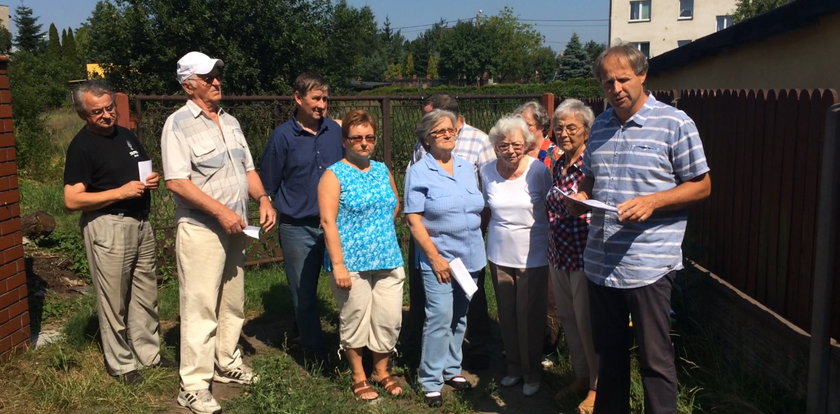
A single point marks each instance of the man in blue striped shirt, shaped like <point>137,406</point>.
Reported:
<point>645,158</point>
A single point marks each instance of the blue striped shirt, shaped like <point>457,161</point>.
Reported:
<point>657,149</point>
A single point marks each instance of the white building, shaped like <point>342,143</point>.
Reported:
<point>657,26</point>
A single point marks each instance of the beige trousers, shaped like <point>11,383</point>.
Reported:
<point>212,296</point>
<point>371,311</point>
<point>522,298</point>
<point>571,293</point>
<point>121,257</point>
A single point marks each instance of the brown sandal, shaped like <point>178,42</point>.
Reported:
<point>390,384</point>
<point>363,387</point>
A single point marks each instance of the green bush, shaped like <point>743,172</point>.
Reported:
<point>573,88</point>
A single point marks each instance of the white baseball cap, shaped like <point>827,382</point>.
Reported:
<point>196,63</point>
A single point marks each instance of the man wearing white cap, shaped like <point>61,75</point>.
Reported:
<point>208,168</point>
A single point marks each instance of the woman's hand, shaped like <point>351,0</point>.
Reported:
<point>441,268</point>
<point>342,277</point>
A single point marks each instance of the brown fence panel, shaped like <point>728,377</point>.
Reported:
<point>757,230</point>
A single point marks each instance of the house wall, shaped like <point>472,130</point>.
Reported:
<point>779,62</point>
<point>665,27</point>
<point>14,306</point>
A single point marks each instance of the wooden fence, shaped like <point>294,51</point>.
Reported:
<point>757,230</point>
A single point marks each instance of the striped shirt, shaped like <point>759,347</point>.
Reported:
<point>216,160</point>
<point>657,149</point>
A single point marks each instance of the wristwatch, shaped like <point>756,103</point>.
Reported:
<point>264,195</point>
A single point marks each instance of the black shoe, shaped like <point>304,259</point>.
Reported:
<point>132,377</point>
<point>166,363</point>
<point>458,383</point>
<point>433,401</point>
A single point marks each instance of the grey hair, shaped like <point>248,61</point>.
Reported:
<point>95,87</point>
<point>537,112</point>
<point>507,125</point>
<point>638,61</point>
<point>442,100</point>
<point>575,108</point>
<point>428,122</point>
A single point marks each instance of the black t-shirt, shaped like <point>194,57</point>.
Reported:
<point>106,162</point>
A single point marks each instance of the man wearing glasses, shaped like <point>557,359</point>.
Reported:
<point>296,155</point>
<point>101,179</point>
<point>209,170</point>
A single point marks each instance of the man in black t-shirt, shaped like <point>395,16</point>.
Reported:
<point>102,179</point>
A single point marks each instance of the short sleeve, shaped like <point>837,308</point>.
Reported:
<point>77,168</point>
<point>415,190</point>
<point>689,159</point>
<point>174,151</point>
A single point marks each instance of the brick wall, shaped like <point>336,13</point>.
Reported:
<point>14,307</point>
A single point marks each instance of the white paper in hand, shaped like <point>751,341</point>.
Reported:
<point>144,168</point>
<point>252,231</point>
<point>462,276</point>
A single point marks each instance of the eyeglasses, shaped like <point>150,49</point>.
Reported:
<point>517,146</point>
<point>443,132</point>
<point>99,111</point>
<point>570,129</point>
<point>370,139</point>
<point>210,77</point>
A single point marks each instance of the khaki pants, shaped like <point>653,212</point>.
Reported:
<point>571,293</point>
<point>121,256</point>
<point>371,311</point>
<point>212,291</point>
<point>522,299</point>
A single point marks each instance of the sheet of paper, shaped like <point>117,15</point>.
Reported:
<point>252,231</point>
<point>144,168</point>
<point>595,204</point>
<point>462,276</point>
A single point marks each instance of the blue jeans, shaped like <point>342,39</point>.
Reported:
<point>303,255</point>
<point>443,331</point>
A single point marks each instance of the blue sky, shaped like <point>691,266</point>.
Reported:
<point>555,19</point>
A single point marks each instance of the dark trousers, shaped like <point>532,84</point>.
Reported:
<point>649,307</point>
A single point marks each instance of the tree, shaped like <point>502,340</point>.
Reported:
<point>432,68</point>
<point>574,63</point>
<point>593,49</point>
<point>30,38</point>
<point>409,65</point>
<point>53,42</point>
<point>5,41</point>
<point>744,9</point>
<point>393,71</point>
<point>68,47</point>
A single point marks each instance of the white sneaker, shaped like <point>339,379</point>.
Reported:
<point>199,402</point>
<point>530,388</point>
<point>242,374</point>
<point>510,381</point>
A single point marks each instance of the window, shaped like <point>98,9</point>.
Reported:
<point>643,47</point>
<point>640,10</point>
<point>686,9</point>
<point>723,22</point>
<point>681,43</point>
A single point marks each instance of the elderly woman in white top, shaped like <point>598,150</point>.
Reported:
<point>514,189</point>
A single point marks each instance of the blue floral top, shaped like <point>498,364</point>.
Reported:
<point>366,218</point>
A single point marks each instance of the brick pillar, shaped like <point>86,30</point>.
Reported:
<point>14,307</point>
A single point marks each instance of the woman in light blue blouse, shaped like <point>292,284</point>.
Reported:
<point>358,202</point>
<point>443,209</point>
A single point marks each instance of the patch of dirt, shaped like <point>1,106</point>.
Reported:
<point>49,272</point>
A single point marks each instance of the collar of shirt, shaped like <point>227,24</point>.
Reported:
<point>432,164</point>
<point>298,128</point>
<point>196,110</point>
<point>641,116</point>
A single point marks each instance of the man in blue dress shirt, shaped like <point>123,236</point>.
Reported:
<point>296,155</point>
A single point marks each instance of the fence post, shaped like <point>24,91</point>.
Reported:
<point>386,131</point>
<point>123,113</point>
<point>547,101</point>
<point>826,246</point>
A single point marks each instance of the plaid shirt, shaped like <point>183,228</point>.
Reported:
<point>567,234</point>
